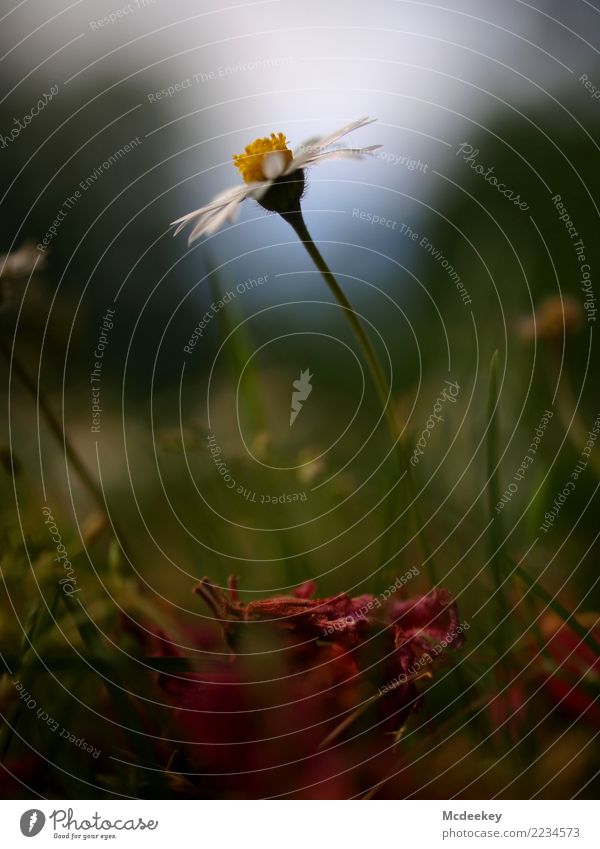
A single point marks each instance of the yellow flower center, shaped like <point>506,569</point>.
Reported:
<point>250,162</point>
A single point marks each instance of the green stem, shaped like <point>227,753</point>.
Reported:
<point>296,221</point>
<point>59,432</point>
<point>493,490</point>
<point>502,564</point>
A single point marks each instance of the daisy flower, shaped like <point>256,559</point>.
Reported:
<point>273,175</point>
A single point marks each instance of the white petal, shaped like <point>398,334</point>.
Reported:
<point>313,143</point>
<point>237,193</point>
<point>211,219</point>
<point>339,153</point>
<point>199,228</point>
<point>258,190</point>
<point>349,128</point>
<point>214,223</point>
<point>299,160</point>
<point>318,143</point>
<point>347,152</point>
<point>273,165</point>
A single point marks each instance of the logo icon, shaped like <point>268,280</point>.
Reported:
<point>303,388</point>
<point>32,822</point>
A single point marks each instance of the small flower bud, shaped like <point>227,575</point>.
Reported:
<point>553,317</point>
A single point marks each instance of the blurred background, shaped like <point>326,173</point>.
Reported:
<point>144,105</point>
